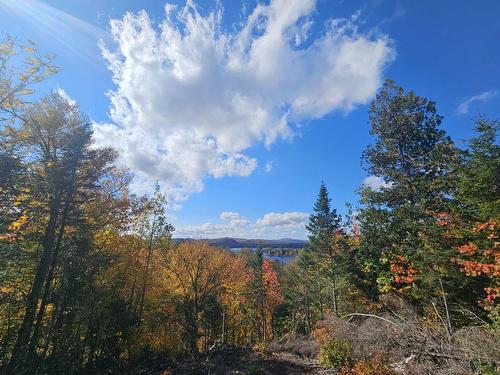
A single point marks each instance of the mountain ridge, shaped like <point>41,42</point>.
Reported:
<point>234,242</point>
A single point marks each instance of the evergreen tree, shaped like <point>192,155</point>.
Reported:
<point>319,256</point>
<point>414,157</point>
<point>478,182</point>
<point>475,221</point>
<point>323,223</point>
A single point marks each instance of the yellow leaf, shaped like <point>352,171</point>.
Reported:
<point>28,49</point>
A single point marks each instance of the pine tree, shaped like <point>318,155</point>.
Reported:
<point>475,220</point>
<point>414,157</point>
<point>323,223</point>
<point>478,193</point>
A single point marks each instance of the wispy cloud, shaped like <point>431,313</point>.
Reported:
<point>399,12</point>
<point>269,166</point>
<point>464,107</point>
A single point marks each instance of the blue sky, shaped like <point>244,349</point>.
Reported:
<point>241,128</point>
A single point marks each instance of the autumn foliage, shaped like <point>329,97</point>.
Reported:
<point>92,280</point>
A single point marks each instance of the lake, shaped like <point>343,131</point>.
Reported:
<point>280,258</point>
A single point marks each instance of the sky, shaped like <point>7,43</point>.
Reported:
<point>240,109</point>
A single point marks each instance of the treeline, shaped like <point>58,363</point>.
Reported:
<point>428,233</point>
<point>90,278</point>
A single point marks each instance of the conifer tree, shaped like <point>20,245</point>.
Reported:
<point>475,220</point>
<point>324,223</point>
<point>414,158</point>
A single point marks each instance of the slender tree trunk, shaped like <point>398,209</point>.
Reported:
<point>20,350</point>
<point>334,296</point>
<point>146,271</point>
<point>192,328</point>
<point>134,282</point>
<point>57,337</point>
<point>445,303</point>
<point>307,310</point>
<point>49,335</point>
<point>6,339</point>
<point>223,338</point>
<point>50,275</point>
<point>334,285</point>
<point>263,318</point>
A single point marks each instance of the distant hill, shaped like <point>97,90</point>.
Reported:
<point>229,242</point>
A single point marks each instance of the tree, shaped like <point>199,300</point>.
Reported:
<point>154,229</point>
<point>54,138</point>
<point>16,85</point>
<point>478,186</point>
<point>323,224</point>
<point>475,217</point>
<point>65,175</point>
<point>194,272</point>
<point>259,293</point>
<point>272,296</point>
<point>414,158</point>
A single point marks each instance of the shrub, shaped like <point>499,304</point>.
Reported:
<point>336,354</point>
<point>259,347</point>
<point>371,366</point>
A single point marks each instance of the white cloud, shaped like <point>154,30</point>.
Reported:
<point>271,225</point>
<point>63,94</point>
<point>376,183</point>
<point>228,215</point>
<point>463,107</point>
<point>190,99</point>
<point>285,219</point>
<point>268,167</point>
<point>234,218</point>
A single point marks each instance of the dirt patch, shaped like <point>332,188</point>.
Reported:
<point>232,360</point>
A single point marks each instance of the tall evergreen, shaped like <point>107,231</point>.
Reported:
<point>478,185</point>
<point>475,221</point>
<point>318,260</point>
<point>414,157</point>
<point>323,223</point>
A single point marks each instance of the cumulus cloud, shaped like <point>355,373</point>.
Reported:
<point>191,99</point>
<point>234,218</point>
<point>464,107</point>
<point>285,219</point>
<point>376,183</point>
<point>271,225</point>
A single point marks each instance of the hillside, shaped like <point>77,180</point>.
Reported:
<point>229,242</point>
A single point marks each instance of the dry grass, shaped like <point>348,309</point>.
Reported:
<point>410,344</point>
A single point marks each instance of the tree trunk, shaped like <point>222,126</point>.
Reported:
<point>223,338</point>
<point>21,348</point>
<point>146,271</point>
<point>50,275</point>
<point>445,302</point>
<point>334,297</point>
<point>6,339</point>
